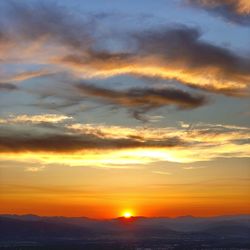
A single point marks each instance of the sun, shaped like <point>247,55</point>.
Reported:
<point>127,214</point>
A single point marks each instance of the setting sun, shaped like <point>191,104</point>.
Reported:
<point>127,214</point>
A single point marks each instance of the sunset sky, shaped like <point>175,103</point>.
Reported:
<point>109,106</point>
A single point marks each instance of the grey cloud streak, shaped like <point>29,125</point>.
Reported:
<point>143,99</point>
<point>42,20</point>
<point>8,87</point>
<point>13,142</point>
<point>236,11</point>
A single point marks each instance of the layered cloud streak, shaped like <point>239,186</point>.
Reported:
<point>76,144</point>
<point>143,99</point>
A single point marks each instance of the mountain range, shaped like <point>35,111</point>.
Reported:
<point>17,229</point>
<point>14,225</point>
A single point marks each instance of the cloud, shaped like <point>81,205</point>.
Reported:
<point>193,168</point>
<point>23,76</point>
<point>161,172</point>
<point>237,11</point>
<point>143,99</point>
<point>43,118</point>
<point>51,35</point>
<point>176,53</point>
<point>34,33</point>
<point>7,87</point>
<point>75,144</point>
<point>34,169</point>
<point>38,21</point>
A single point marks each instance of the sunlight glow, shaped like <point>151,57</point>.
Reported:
<point>127,214</point>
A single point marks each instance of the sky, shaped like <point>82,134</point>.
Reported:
<point>109,106</point>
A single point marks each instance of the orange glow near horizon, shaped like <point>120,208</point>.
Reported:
<point>116,196</point>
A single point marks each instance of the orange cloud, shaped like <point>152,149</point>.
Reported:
<point>43,118</point>
<point>171,54</point>
<point>116,146</point>
<point>24,76</point>
<point>240,6</point>
<point>237,11</point>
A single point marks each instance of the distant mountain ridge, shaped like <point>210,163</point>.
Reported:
<point>77,227</point>
<point>40,232</point>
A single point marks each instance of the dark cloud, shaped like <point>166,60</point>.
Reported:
<point>236,11</point>
<point>140,100</point>
<point>13,141</point>
<point>184,46</point>
<point>43,22</point>
<point>179,49</point>
<point>8,87</point>
<point>102,59</point>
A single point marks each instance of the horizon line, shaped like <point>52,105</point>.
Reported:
<point>122,217</point>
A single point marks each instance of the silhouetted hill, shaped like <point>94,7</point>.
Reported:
<point>32,227</point>
<point>229,229</point>
<point>31,232</point>
<point>14,228</point>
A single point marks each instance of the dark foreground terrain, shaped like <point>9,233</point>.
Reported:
<point>31,232</point>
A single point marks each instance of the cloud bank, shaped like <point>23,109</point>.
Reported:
<point>76,144</point>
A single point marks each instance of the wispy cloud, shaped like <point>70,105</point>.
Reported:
<point>43,118</point>
<point>139,100</point>
<point>23,76</point>
<point>161,172</point>
<point>35,169</point>
<point>7,87</point>
<point>115,146</point>
<point>193,168</point>
<point>237,11</point>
